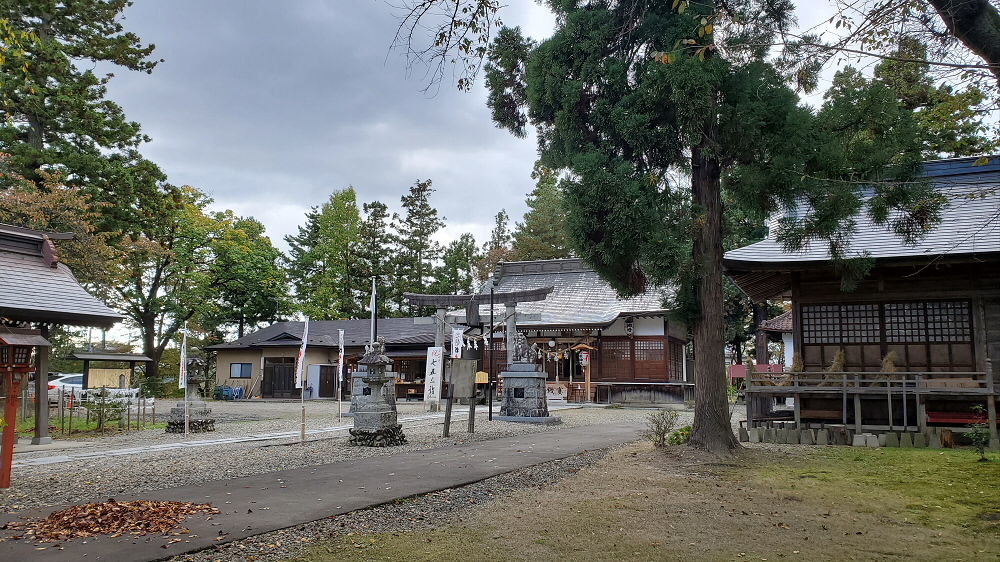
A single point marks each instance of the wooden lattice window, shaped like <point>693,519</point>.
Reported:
<point>905,322</point>
<point>838,324</point>
<point>646,350</point>
<point>676,365</point>
<point>949,321</point>
<point>616,359</point>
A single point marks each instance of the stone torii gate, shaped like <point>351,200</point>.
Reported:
<point>472,303</point>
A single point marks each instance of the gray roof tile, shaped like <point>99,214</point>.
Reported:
<point>969,225</point>
<point>579,297</point>
<point>31,290</point>
<point>323,333</point>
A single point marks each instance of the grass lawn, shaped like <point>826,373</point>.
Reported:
<point>831,503</point>
<point>81,427</point>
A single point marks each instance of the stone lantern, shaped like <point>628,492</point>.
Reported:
<point>375,420</point>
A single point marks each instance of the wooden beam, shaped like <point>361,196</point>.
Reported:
<point>529,295</point>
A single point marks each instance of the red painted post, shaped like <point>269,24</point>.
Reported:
<point>10,417</point>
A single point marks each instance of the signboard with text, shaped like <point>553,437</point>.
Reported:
<point>434,375</point>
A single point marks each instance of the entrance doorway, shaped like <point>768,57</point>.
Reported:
<point>279,378</point>
<point>327,381</point>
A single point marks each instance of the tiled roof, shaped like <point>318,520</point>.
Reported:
<point>323,333</point>
<point>32,290</point>
<point>970,225</point>
<point>579,296</point>
<point>780,323</point>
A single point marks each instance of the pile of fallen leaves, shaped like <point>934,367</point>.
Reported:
<point>113,518</point>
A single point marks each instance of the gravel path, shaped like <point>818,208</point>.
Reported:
<point>426,511</point>
<point>90,479</point>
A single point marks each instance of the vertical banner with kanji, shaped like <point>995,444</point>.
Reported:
<point>301,359</point>
<point>182,378</point>
<point>456,343</point>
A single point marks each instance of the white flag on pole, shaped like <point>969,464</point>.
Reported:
<point>371,307</point>
<point>182,378</point>
<point>340,354</point>
<point>301,359</point>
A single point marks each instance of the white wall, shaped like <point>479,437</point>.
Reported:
<point>789,341</point>
<point>641,327</point>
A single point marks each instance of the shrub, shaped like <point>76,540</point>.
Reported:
<point>680,436</point>
<point>979,435</point>
<point>659,424</point>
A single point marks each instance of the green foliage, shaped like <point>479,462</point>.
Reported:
<point>498,248</point>
<point>679,436</point>
<point>457,272</point>
<point>979,434</point>
<point>660,426</point>
<point>542,235</point>
<point>248,282</point>
<point>374,252</point>
<point>54,113</point>
<point>416,249</point>
<point>322,264</point>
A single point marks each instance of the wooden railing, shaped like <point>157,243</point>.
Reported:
<point>898,388</point>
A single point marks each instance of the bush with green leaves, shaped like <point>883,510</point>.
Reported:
<point>979,434</point>
<point>679,436</point>
<point>659,425</point>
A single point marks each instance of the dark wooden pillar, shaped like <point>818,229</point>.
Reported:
<point>86,374</point>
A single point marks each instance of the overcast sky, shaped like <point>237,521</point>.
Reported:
<point>270,106</point>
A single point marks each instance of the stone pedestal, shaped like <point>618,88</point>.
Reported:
<point>375,420</point>
<point>524,395</point>
<point>201,420</point>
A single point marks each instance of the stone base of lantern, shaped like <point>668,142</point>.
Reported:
<point>524,397</point>
<point>387,437</point>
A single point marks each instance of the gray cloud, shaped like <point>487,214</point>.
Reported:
<point>269,106</point>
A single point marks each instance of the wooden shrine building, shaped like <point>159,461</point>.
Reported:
<point>596,346</point>
<point>37,290</point>
<point>932,307</point>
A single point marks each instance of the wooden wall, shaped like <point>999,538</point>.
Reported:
<point>942,318</point>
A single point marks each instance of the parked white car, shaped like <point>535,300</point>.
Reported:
<point>68,382</point>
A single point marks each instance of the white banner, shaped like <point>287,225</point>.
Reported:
<point>456,343</point>
<point>182,378</point>
<point>432,377</point>
<point>340,358</point>
<point>301,359</point>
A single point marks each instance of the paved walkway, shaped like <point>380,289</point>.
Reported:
<point>266,502</point>
<point>91,451</point>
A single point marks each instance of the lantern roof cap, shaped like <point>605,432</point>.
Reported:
<point>23,336</point>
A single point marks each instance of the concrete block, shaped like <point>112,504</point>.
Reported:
<point>906,439</point>
<point>744,436</point>
<point>753,435</point>
<point>823,437</point>
<point>891,439</point>
<point>807,437</point>
<point>934,439</point>
<point>919,440</point>
<point>770,435</point>
<point>871,440</point>
<point>783,436</point>
<point>792,436</point>
<point>859,440</point>
<point>881,439</point>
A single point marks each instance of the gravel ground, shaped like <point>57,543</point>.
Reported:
<point>426,511</point>
<point>90,479</point>
<point>233,419</point>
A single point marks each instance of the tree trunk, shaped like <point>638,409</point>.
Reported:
<point>712,428</point>
<point>976,23</point>
<point>759,316</point>
<point>149,349</point>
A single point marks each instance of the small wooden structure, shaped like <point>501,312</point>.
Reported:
<point>928,314</point>
<point>36,289</point>
<point>108,357</point>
